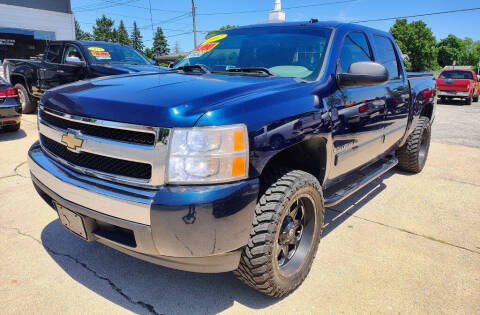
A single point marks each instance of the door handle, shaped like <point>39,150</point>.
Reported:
<point>60,71</point>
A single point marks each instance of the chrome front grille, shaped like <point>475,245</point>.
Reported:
<point>124,153</point>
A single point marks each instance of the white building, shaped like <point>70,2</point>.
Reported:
<point>26,25</point>
<point>277,15</point>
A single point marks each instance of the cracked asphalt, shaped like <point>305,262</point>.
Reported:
<point>404,244</point>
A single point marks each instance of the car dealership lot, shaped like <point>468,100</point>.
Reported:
<point>405,243</point>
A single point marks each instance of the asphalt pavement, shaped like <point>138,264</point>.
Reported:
<point>403,244</point>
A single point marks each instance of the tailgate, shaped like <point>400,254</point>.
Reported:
<point>462,85</point>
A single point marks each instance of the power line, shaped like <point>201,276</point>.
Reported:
<point>416,15</point>
<point>285,8</point>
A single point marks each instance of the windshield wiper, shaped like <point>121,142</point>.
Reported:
<point>251,70</point>
<point>192,68</point>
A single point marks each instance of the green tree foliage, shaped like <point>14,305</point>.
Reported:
<point>148,52</point>
<point>223,28</point>
<point>80,34</point>
<point>136,38</point>
<point>160,45</point>
<point>122,34</point>
<point>104,30</point>
<point>464,51</point>
<point>417,41</point>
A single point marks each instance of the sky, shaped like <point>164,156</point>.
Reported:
<point>175,18</point>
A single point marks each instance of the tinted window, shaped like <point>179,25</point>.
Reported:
<point>355,49</point>
<point>386,55</point>
<point>467,75</point>
<point>54,54</point>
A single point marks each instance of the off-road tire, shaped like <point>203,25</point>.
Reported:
<point>258,266</point>
<point>12,128</point>
<point>28,102</point>
<point>409,155</point>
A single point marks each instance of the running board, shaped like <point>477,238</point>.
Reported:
<point>339,192</point>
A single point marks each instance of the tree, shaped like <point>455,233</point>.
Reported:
<point>160,45</point>
<point>417,41</point>
<point>223,28</point>
<point>122,34</point>
<point>103,29</point>
<point>136,38</point>
<point>80,34</point>
<point>148,52</point>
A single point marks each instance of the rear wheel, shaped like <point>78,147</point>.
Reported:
<point>285,235</point>
<point>413,154</point>
<point>26,100</point>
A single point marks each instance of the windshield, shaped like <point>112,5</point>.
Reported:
<point>467,75</point>
<point>111,53</point>
<point>286,52</point>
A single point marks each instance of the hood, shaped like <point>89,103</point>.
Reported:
<point>168,99</point>
<point>112,69</point>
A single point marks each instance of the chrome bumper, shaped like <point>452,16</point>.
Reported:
<point>453,94</point>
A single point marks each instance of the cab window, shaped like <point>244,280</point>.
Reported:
<point>355,49</point>
<point>54,54</point>
<point>71,51</point>
<point>386,56</point>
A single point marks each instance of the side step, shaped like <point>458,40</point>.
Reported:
<point>355,182</point>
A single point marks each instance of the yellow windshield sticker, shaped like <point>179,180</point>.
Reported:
<point>215,38</point>
<point>96,49</point>
<point>207,46</point>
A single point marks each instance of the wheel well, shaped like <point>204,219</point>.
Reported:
<point>15,78</point>
<point>427,111</point>
<point>309,156</point>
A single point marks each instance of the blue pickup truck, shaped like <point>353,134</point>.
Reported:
<point>228,161</point>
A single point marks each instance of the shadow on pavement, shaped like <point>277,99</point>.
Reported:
<point>454,102</point>
<point>142,287</point>
<point>336,215</point>
<point>15,135</point>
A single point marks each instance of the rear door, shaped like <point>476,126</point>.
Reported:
<point>48,68</point>
<point>69,73</point>
<point>358,118</point>
<point>396,92</point>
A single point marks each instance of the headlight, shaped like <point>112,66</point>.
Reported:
<point>205,155</point>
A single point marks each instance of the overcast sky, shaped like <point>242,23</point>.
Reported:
<point>175,18</point>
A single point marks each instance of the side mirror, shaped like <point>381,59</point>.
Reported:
<point>171,64</point>
<point>363,74</point>
<point>75,61</point>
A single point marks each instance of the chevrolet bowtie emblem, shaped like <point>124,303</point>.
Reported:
<point>72,141</point>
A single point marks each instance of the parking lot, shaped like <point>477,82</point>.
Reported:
<point>403,244</point>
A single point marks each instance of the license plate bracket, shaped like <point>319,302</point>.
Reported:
<point>72,221</point>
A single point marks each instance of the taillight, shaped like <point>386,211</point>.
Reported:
<point>9,92</point>
<point>428,94</point>
<point>363,109</point>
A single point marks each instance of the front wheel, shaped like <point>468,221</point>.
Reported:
<point>413,154</point>
<point>475,99</point>
<point>286,231</point>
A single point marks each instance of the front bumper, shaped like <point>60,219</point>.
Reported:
<point>192,228</point>
<point>453,94</point>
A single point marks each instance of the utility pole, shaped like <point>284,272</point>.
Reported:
<point>194,24</point>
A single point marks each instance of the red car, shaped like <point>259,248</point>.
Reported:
<point>458,83</point>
